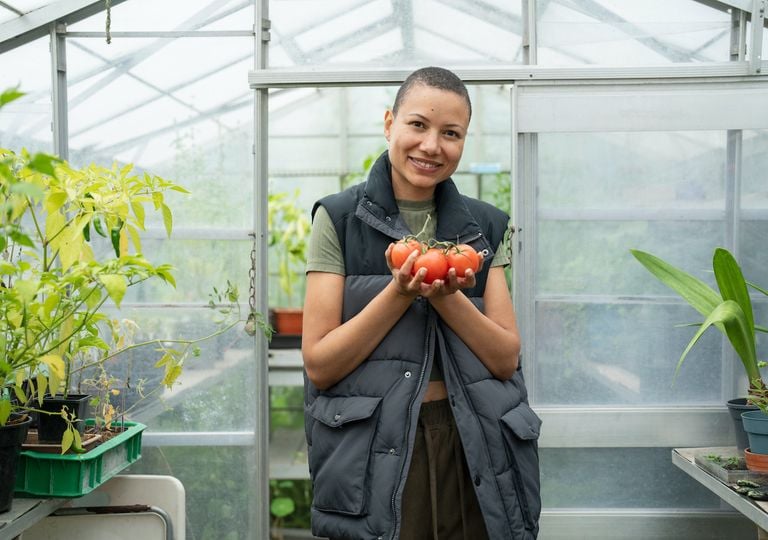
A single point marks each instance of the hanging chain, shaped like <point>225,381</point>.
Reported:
<point>250,324</point>
<point>109,21</point>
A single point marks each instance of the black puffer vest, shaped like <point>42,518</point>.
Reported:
<point>360,432</point>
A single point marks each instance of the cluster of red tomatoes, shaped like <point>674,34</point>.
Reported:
<point>436,257</point>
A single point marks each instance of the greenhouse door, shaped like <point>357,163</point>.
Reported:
<point>673,167</point>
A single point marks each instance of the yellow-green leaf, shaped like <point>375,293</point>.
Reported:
<point>135,238</point>
<point>54,201</point>
<point>163,360</point>
<point>77,443</point>
<point>116,285</point>
<point>56,368</point>
<point>42,387</point>
<point>51,302</point>
<point>67,439</point>
<point>167,219</point>
<point>172,373</point>
<point>5,411</point>
<point>19,391</point>
<point>26,289</point>
<point>157,199</point>
<point>54,224</point>
<point>138,211</point>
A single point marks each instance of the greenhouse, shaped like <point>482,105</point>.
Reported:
<point>625,139</point>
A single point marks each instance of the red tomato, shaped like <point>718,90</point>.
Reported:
<point>463,257</point>
<point>402,249</point>
<point>434,261</point>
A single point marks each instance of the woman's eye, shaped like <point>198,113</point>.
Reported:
<point>417,124</point>
<point>454,134</point>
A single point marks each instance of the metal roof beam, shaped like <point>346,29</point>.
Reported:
<point>36,24</point>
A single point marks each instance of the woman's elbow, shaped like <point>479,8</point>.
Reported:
<point>316,374</point>
<point>507,368</point>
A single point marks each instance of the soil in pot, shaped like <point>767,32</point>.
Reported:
<point>51,427</point>
<point>12,435</point>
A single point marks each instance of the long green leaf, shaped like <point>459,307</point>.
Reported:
<point>765,292</point>
<point>730,315</point>
<point>732,285</point>
<point>694,291</point>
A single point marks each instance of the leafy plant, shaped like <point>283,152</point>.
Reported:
<point>730,463</point>
<point>70,243</point>
<point>289,229</point>
<point>729,310</point>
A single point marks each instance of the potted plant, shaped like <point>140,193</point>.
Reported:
<point>289,229</point>
<point>12,436</point>
<point>729,310</point>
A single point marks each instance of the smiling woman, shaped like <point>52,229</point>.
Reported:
<point>384,346</point>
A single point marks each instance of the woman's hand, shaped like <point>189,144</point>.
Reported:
<point>406,284</point>
<point>413,285</point>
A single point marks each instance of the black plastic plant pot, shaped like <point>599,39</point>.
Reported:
<point>737,406</point>
<point>12,436</point>
<point>51,427</point>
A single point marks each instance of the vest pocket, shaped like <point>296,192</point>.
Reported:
<point>342,439</point>
<point>520,428</point>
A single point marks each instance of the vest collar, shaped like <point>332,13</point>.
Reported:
<point>378,207</point>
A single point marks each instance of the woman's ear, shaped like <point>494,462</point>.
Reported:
<point>388,119</point>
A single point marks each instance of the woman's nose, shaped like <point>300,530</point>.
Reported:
<point>430,142</point>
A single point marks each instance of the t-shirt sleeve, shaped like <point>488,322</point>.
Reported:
<point>324,251</point>
<point>503,255</point>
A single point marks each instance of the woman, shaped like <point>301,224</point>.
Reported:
<point>416,416</point>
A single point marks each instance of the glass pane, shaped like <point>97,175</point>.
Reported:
<point>581,478</point>
<point>614,32</point>
<point>649,170</point>
<point>593,257</point>
<point>188,122</point>
<point>219,493</point>
<point>203,397</point>
<point>623,354</point>
<point>754,206</point>
<point>26,122</point>
<point>172,15</point>
<point>383,32</point>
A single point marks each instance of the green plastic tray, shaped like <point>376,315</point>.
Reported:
<point>42,474</point>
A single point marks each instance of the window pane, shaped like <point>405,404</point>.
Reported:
<point>172,15</point>
<point>382,32</point>
<point>608,478</point>
<point>219,494</point>
<point>603,354</point>
<point>26,122</point>
<point>188,122</point>
<point>215,391</point>
<point>614,32</point>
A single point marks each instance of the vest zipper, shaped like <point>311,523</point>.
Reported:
<point>417,396</point>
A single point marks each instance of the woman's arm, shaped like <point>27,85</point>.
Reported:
<point>332,350</point>
<point>493,336</point>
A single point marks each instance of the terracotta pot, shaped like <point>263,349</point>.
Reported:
<point>288,321</point>
<point>756,462</point>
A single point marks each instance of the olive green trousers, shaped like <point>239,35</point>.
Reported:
<point>439,501</point>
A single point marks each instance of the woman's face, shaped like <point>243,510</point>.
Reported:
<point>426,140</point>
